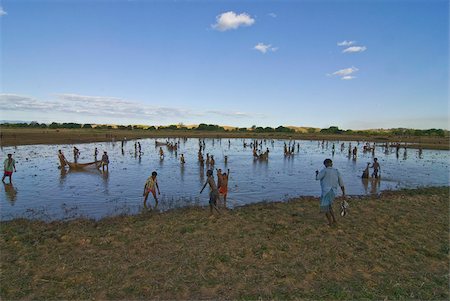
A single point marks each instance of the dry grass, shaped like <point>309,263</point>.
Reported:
<point>27,136</point>
<point>394,246</point>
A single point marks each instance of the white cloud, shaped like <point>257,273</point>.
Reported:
<point>230,20</point>
<point>355,49</point>
<point>263,48</point>
<point>348,77</point>
<point>228,114</point>
<point>101,106</point>
<point>2,11</point>
<point>346,43</point>
<point>272,15</point>
<point>346,71</point>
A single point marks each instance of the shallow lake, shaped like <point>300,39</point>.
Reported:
<point>42,191</point>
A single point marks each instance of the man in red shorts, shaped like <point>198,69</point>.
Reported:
<point>9,166</point>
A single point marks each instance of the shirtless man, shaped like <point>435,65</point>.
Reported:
<point>376,168</point>
<point>223,189</point>
<point>214,193</point>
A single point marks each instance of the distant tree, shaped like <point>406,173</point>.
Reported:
<point>283,129</point>
<point>87,126</point>
<point>331,130</point>
<point>54,125</point>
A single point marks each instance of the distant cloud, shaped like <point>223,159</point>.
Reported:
<point>272,15</point>
<point>355,49</point>
<point>231,20</point>
<point>348,77</point>
<point>263,48</point>
<point>345,72</point>
<point>2,11</point>
<point>229,114</point>
<point>110,107</point>
<point>346,43</point>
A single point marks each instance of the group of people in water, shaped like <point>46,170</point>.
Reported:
<point>103,163</point>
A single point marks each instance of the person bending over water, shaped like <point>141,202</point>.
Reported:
<point>62,159</point>
<point>150,186</point>
<point>329,178</point>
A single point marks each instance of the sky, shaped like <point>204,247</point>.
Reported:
<point>352,64</point>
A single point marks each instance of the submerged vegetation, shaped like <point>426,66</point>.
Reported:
<point>391,246</point>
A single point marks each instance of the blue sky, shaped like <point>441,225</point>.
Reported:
<point>352,64</point>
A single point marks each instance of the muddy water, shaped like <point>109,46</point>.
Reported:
<point>42,191</point>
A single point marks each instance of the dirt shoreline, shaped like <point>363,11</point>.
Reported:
<point>18,136</point>
<point>391,246</point>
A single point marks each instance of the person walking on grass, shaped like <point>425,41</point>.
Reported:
<point>9,165</point>
<point>150,186</point>
<point>213,193</point>
<point>330,179</point>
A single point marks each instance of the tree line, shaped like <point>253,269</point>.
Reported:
<point>217,128</point>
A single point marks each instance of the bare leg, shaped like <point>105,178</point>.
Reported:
<point>332,215</point>
<point>330,221</point>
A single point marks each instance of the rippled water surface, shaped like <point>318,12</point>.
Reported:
<point>42,191</point>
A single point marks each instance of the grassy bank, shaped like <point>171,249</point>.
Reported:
<point>393,246</point>
<point>27,136</point>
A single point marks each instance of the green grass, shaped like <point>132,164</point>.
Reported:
<point>392,246</point>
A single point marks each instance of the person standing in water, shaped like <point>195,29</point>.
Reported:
<point>223,189</point>
<point>330,179</point>
<point>9,165</point>
<point>376,168</point>
<point>150,186</point>
<point>213,193</point>
<point>105,161</point>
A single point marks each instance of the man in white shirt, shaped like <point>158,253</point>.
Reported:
<point>330,179</point>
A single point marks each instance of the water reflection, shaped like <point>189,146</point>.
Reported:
<point>11,193</point>
<point>374,185</point>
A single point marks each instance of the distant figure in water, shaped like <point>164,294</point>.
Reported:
<point>95,154</point>
<point>161,153</point>
<point>213,193</point>
<point>355,151</point>
<point>182,159</point>
<point>365,174</point>
<point>105,161</point>
<point>62,159</point>
<point>376,168</point>
<point>212,161</point>
<point>76,154</point>
<point>150,186</point>
<point>9,165</point>
<point>330,179</point>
